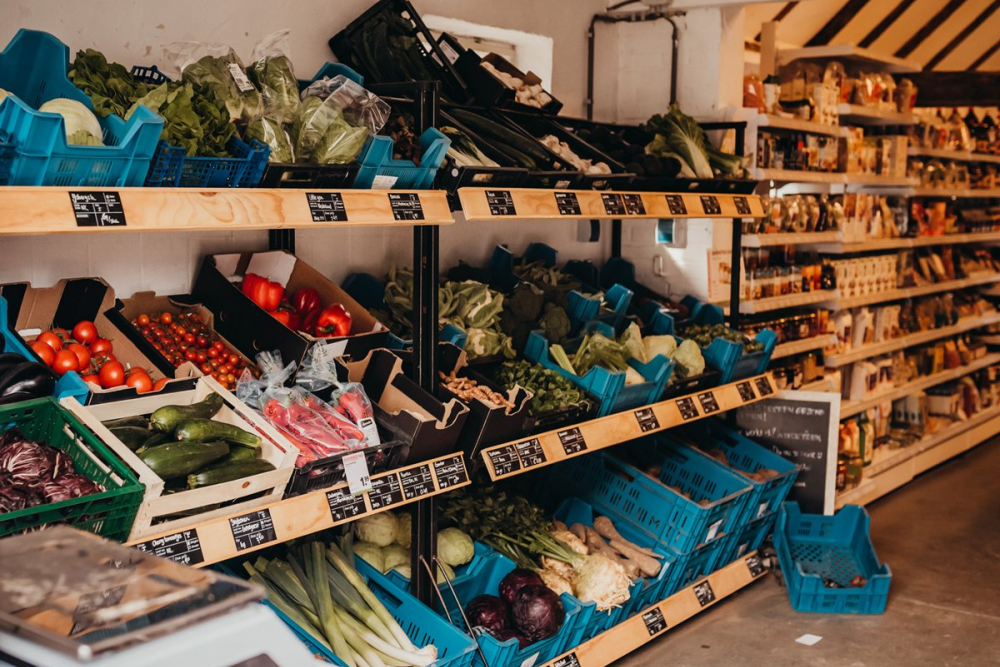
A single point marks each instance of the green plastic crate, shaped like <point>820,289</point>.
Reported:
<point>109,514</point>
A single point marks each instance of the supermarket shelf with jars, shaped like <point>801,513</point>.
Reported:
<point>786,301</point>
<point>838,247</point>
<point>909,292</point>
<point>854,55</point>
<point>795,124</point>
<point>985,193</point>
<point>856,114</point>
<point>949,154</point>
<point>805,345</point>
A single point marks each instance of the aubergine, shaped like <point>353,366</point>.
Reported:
<point>16,397</point>
<point>27,377</point>
<point>10,358</point>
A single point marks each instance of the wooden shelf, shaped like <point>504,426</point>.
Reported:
<point>875,349</point>
<point>910,292</point>
<point>484,204</point>
<point>786,301</point>
<point>899,468</point>
<point>992,193</point>
<point>213,541</point>
<point>840,248</point>
<point>518,456</point>
<point>799,176</point>
<point>790,238</point>
<point>798,125</point>
<point>948,154</point>
<point>866,58</point>
<point>881,180</point>
<point>854,407</point>
<point>804,345</point>
<point>991,339</point>
<point>658,619</point>
<point>856,114</point>
<point>824,384</point>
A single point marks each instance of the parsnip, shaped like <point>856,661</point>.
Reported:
<point>598,545</point>
<point>603,525</point>
<point>649,566</point>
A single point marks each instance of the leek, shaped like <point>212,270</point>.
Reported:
<point>324,604</point>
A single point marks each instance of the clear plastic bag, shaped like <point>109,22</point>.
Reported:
<point>220,70</point>
<point>335,118</point>
<point>348,399</point>
<point>271,134</point>
<point>271,69</point>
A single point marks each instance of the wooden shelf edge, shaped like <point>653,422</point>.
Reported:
<point>805,345</point>
<point>786,301</point>
<point>910,292</point>
<point>789,238</point>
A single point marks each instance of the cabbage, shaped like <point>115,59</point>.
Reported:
<point>537,612</point>
<point>379,529</point>
<point>632,340</point>
<point>403,569</point>
<point>371,554</point>
<point>515,580</point>
<point>403,531</point>
<point>489,613</point>
<point>270,133</point>
<point>688,355</point>
<point>655,345</point>
<point>454,547</point>
<point>394,555</point>
<point>82,126</point>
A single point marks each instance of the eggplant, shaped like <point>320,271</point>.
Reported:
<point>17,397</point>
<point>27,377</point>
<point>9,358</point>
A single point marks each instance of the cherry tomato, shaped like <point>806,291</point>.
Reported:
<point>160,384</point>
<point>190,339</point>
<point>44,352</point>
<point>206,368</point>
<point>202,341</point>
<point>85,332</point>
<point>212,353</point>
<point>143,320</point>
<point>191,355</point>
<point>219,345</point>
<point>166,318</point>
<point>180,331</point>
<point>50,339</point>
<point>65,362</point>
<point>158,346</point>
<point>201,357</point>
<point>101,346</point>
<point>62,333</point>
<point>92,378</point>
<point>226,368</point>
<point>215,363</point>
<point>112,374</point>
<point>140,381</point>
<point>82,353</point>
<point>234,359</point>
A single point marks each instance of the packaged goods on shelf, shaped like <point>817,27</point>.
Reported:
<point>773,272</point>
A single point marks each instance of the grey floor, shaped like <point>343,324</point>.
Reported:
<point>940,535</point>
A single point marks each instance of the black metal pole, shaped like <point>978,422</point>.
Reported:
<point>281,239</point>
<point>616,238</point>
<point>734,287</point>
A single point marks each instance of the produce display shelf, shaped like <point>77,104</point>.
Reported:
<point>804,345</point>
<point>910,292</point>
<point>948,154</point>
<point>786,301</point>
<point>529,453</point>
<point>838,247</point>
<point>221,538</point>
<point>875,349</point>
<point>856,114</point>
<point>900,467</point>
<point>59,210</point>
<point>656,620</point>
<point>799,125</point>
<point>990,291</point>
<point>789,238</point>
<point>850,408</point>
<point>484,204</point>
<point>857,55</point>
<point>989,193</point>
<point>799,176</point>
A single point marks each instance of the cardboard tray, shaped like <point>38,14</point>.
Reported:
<point>491,91</point>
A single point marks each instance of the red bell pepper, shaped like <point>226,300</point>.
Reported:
<point>266,293</point>
<point>308,324</point>
<point>333,321</point>
<point>307,300</point>
<point>249,281</point>
<point>288,318</point>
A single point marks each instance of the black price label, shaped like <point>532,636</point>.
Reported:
<point>654,621</point>
<point>647,420</point>
<point>326,206</point>
<point>567,203</point>
<point>504,460</point>
<point>572,441</point>
<point>97,209</point>
<point>343,505</point>
<point>746,391</point>
<point>742,205</point>
<point>450,472</point>
<point>675,203</point>
<point>710,204</point>
<point>252,529</point>
<point>754,565</point>
<point>708,403</point>
<point>530,452</point>
<point>406,206</point>
<point>183,547</point>
<point>704,593</point>
<point>417,482</point>
<point>385,492</point>
<point>501,202</point>
<point>568,660</point>
<point>613,203</point>
<point>763,386</point>
<point>687,408</point>
<point>634,205</point>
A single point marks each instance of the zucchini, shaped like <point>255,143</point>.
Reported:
<point>177,459</point>
<point>504,136</point>
<point>139,420</point>
<point>227,472</point>
<point>238,452</point>
<point>132,437</point>
<point>158,438</point>
<point>169,417</point>
<point>207,429</point>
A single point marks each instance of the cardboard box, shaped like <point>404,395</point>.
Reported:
<point>68,302</point>
<point>252,330</point>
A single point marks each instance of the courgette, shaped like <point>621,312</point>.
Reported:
<point>138,420</point>
<point>158,438</point>
<point>504,136</point>
<point>238,452</point>
<point>132,437</point>
<point>227,472</point>
<point>169,417</point>
<point>207,429</point>
<point>177,459</point>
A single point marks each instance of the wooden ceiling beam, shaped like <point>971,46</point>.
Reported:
<point>886,23</point>
<point>837,22</point>
<point>925,31</point>
<point>963,35</point>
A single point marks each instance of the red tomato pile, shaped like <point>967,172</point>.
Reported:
<point>84,351</point>
<point>186,337</point>
<point>305,312</point>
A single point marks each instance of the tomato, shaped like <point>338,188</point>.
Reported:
<point>112,374</point>
<point>212,353</point>
<point>191,355</point>
<point>82,353</point>
<point>215,363</point>
<point>180,331</point>
<point>50,339</point>
<point>158,346</point>
<point>234,359</point>
<point>201,357</point>
<point>85,332</point>
<point>190,339</point>
<point>219,345</point>
<point>166,318</point>
<point>65,362</point>
<point>206,368</point>
<point>226,368</point>
<point>140,381</point>
<point>101,346</point>
<point>44,352</point>
<point>160,384</point>
<point>92,378</point>
<point>143,320</point>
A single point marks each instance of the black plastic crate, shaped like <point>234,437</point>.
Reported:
<point>451,176</point>
<point>315,176</point>
<point>329,471</point>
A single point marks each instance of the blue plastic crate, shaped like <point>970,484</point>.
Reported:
<point>376,160</point>
<point>697,564</point>
<point>610,310</point>
<point>70,384</point>
<point>748,538</point>
<point>814,549</point>
<point>462,573</point>
<point>33,69</point>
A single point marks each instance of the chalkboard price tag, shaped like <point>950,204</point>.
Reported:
<point>252,529</point>
<point>97,209</point>
<point>417,482</point>
<point>675,204</point>
<point>450,472</point>
<point>501,202</point>
<point>634,205</point>
<point>567,203</point>
<point>746,391</point>
<point>613,203</point>
<point>647,420</point>
<point>530,452</point>
<point>763,386</point>
<point>569,660</point>
<point>710,203</point>
<point>708,403</point>
<point>654,621</point>
<point>704,593</point>
<point>385,492</point>
<point>687,408</point>
<point>326,206</point>
<point>183,547</point>
<point>572,441</point>
<point>343,505</point>
<point>742,205</point>
<point>754,565</point>
<point>504,460</point>
<point>406,206</point>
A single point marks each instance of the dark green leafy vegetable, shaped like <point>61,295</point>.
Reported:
<point>111,87</point>
<point>226,81</point>
<point>278,87</point>
<point>551,390</point>
<point>704,334</point>
<point>322,135</point>
<point>677,135</point>
<point>192,118</point>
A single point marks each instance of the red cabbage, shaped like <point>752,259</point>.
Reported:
<point>33,474</point>
<point>515,579</point>
<point>537,612</point>
<point>26,463</point>
<point>490,613</point>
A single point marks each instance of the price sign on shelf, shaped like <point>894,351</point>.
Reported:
<point>530,452</point>
<point>343,505</point>
<point>613,203</point>
<point>710,203</point>
<point>504,460</point>
<point>746,391</point>
<point>567,203</point>
<point>97,209</point>
<point>742,205</point>
<point>253,529</point>
<point>754,565</point>
<point>708,402</point>
<point>675,204</point>
<point>417,482</point>
<point>182,547</point>
<point>406,206</point>
<point>501,202</point>
<point>763,386</point>
<point>634,205</point>
<point>450,472</point>
<point>386,492</point>
<point>704,593</point>
<point>568,660</point>
<point>687,408</point>
<point>572,441</point>
<point>326,206</point>
<point>356,472</point>
<point>654,621</point>
<point>647,419</point>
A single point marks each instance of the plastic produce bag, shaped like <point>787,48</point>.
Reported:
<point>218,68</point>
<point>319,373</point>
<point>334,120</point>
<point>271,134</point>
<point>271,70</point>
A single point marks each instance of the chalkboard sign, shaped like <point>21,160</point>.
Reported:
<point>800,426</point>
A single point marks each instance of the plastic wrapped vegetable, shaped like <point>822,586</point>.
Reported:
<point>271,134</point>
<point>335,118</point>
<point>348,400</point>
<point>271,70</point>
<point>218,68</point>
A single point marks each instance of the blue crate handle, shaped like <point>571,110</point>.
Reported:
<point>329,70</point>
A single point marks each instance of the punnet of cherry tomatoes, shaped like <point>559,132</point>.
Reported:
<point>303,312</point>
<point>187,337</point>
<point>83,351</point>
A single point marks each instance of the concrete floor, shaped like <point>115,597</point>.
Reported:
<point>940,535</point>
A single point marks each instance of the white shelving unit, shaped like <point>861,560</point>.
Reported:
<point>852,54</point>
<point>856,114</point>
<point>838,247</point>
<point>948,154</point>
<point>791,238</point>
<point>910,292</point>
<point>805,345</point>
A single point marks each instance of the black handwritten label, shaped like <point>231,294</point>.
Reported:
<point>326,206</point>
<point>572,441</point>
<point>687,408</point>
<point>613,203</point>
<point>183,547</point>
<point>343,505</point>
<point>252,529</point>
<point>567,203</point>
<point>675,204</point>
<point>501,202</point>
<point>754,565</point>
<point>568,660</point>
<point>450,472</point>
<point>634,205</point>
<point>746,391</point>
<point>530,452</point>
<point>97,209</point>
<point>406,206</point>
<point>504,460</point>
<point>708,402</point>
<point>763,386</point>
<point>385,492</point>
<point>742,205</point>
<point>417,482</point>
<point>654,621</point>
<point>710,203</point>
<point>647,420</point>
<point>704,593</point>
